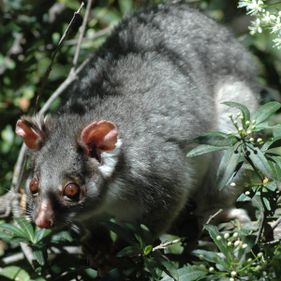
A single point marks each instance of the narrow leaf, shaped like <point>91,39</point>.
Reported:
<point>210,257</point>
<point>41,234</point>
<point>203,149</point>
<point>260,161</point>
<point>188,273</point>
<point>27,228</point>
<point>39,256</point>
<point>275,142</point>
<point>216,138</point>
<point>220,243</point>
<point>228,166</point>
<point>14,273</point>
<point>265,111</point>
<point>244,110</point>
<point>13,230</point>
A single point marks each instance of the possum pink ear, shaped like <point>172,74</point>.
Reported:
<point>99,136</point>
<point>32,136</point>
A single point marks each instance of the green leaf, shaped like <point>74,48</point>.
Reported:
<point>243,198</point>
<point>275,142</point>
<point>126,6</point>
<point>13,230</point>
<point>229,166</point>
<point>121,232</point>
<point>259,160</point>
<point>41,234</point>
<point>61,237</point>
<point>272,186</point>
<point>91,273</point>
<point>203,149</point>
<point>188,273</point>
<point>276,168</point>
<point>266,203</point>
<point>265,111</point>
<point>15,273</point>
<point>39,256</point>
<point>128,252</point>
<point>147,250</point>
<point>244,110</point>
<point>210,257</point>
<point>220,243</point>
<point>27,228</point>
<point>216,138</point>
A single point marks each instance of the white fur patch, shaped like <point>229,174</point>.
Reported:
<point>232,90</point>
<point>109,160</point>
<point>239,214</point>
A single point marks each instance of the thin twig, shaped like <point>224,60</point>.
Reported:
<point>81,35</point>
<point>18,170</point>
<point>166,244</point>
<point>92,38</point>
<point>50,67</point>
<point>66,83</point>
<point>213,216</point>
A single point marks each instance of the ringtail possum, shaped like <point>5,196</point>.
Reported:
<point>117,147</point>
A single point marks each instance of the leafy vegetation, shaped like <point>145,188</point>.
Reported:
<point>30,32</point>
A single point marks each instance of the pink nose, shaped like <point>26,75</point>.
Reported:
<point>44,222</point>
<point>45,215</point>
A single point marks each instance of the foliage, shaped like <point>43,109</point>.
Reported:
<point>30,31</point>
<point>267,15</point>
<point>244,253</point>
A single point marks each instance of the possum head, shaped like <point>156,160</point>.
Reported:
<point>71,163</point>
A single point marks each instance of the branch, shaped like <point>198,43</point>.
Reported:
<point>50,66</point>
<point>91,38</point>
<point>81,35</point>
<point>166,244</point>
<point>213,216</point>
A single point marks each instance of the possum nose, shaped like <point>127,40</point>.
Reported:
<point>45,215</point>
<point>44,223</point>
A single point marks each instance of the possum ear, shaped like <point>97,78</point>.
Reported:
<point>97,137</point>
<point>31,130</point>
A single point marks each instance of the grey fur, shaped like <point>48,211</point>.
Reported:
<point>160,77</point>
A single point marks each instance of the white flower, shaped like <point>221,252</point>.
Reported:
<point>276,26</point>
<point>255,27</point>
<point>253,7</point>
<point>267,17</point>
<point>277,42</point>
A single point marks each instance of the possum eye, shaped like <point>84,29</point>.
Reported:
<point>34,186</point>
<point>72,191</point>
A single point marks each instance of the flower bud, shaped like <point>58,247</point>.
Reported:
<point>226,236</point>
<point>211,269</point>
